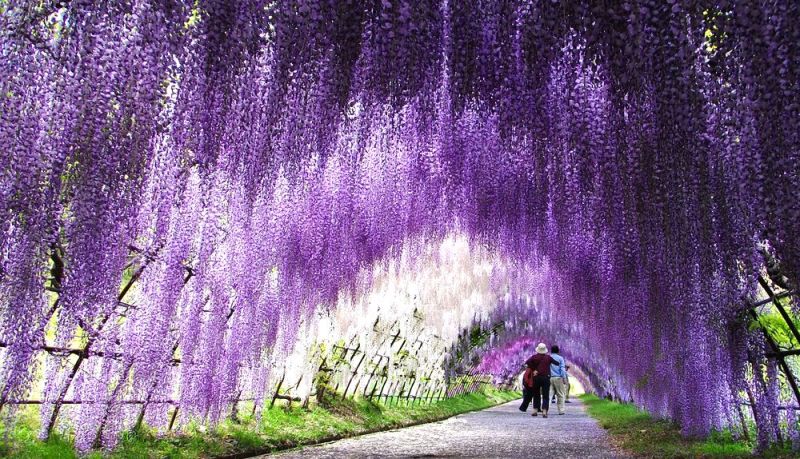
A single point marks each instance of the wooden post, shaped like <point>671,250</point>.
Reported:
<point>780,308</point>
<point>385,380</point>
<point>343,351</point>
<point>745,429</point>
<point>172,419</point>
<point>430,390</point>
<point>410,390</point>
<point>437,392</point>
<point>781,361</point>
<point>374,389</point>
<point>421,394</point>
<point>235,407</point>
<point>57,276</point>
<point>462,384</point>
<point>474,384</point>
<point>397,394</point>
<point>355,373</point>
<point>277,389</point>
<point>85,354</point>
<point>428,379</point>
<point>289,397</point>
<point>140,418</point>
<point>369,380</point>
<point>99,436</point>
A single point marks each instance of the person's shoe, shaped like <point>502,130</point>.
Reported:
<point>534,414</point>
<point>544,415</point>
<point>561,413</point>
<point>567,401</point>
<point>520,408</point>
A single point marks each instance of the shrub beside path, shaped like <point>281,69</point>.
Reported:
<point>502,431</point>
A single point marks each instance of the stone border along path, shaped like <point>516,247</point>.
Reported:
<point>502,431</point>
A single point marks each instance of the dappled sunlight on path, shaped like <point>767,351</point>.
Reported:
<point>501,431</point>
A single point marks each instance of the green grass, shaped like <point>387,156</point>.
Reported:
<point>638,433</point>
<point>777,327</point>
<point>279,428</point>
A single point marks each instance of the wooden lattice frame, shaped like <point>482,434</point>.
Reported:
<point>407,388</point>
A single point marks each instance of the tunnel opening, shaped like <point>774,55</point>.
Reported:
<point>190,188</point>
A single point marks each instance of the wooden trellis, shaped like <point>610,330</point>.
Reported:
<point>775,296</point>
<point>368,373</point>
<point>85,352</point>
<point>388,373</point>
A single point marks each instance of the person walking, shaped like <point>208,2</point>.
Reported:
<point>527,389</point>
<point>558,377</point>
<point>540,364</point>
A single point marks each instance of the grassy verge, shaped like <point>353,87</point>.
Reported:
<point>638,433</point>
<point>279,428</point>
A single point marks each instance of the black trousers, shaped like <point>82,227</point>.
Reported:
<point>541,393</point>
<point>527,395</point>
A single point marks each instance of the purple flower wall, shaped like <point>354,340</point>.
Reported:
<point>247,159</point>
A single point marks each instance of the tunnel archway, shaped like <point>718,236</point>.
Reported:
<point>184,182</point>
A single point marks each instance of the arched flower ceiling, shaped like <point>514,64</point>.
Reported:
<point>256,155</point>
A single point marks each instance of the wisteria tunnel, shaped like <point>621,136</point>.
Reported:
<point>209,206</point>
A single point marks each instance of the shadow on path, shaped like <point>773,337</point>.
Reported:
<point>502,431</point>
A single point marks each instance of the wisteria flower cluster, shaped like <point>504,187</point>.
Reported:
<point>241,162</point>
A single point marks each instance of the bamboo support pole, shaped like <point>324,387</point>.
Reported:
<point>81,357</point>
<point>172,419</point>
<point>355,373</point>
<point>787,371</point>
<point>277,390</point>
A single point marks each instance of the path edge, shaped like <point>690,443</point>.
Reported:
<point>337,437</point>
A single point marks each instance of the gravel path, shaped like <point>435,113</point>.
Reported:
<point>501,431</point>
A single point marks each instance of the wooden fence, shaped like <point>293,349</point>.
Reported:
<point>395,369</point>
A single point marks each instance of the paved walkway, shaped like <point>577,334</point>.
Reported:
<point>501,431</point>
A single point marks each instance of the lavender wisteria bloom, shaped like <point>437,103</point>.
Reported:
<point>243,162</point>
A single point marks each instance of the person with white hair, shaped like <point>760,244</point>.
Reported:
<point>540,364</point>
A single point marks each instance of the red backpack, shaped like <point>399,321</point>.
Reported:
<point>527,378</point>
